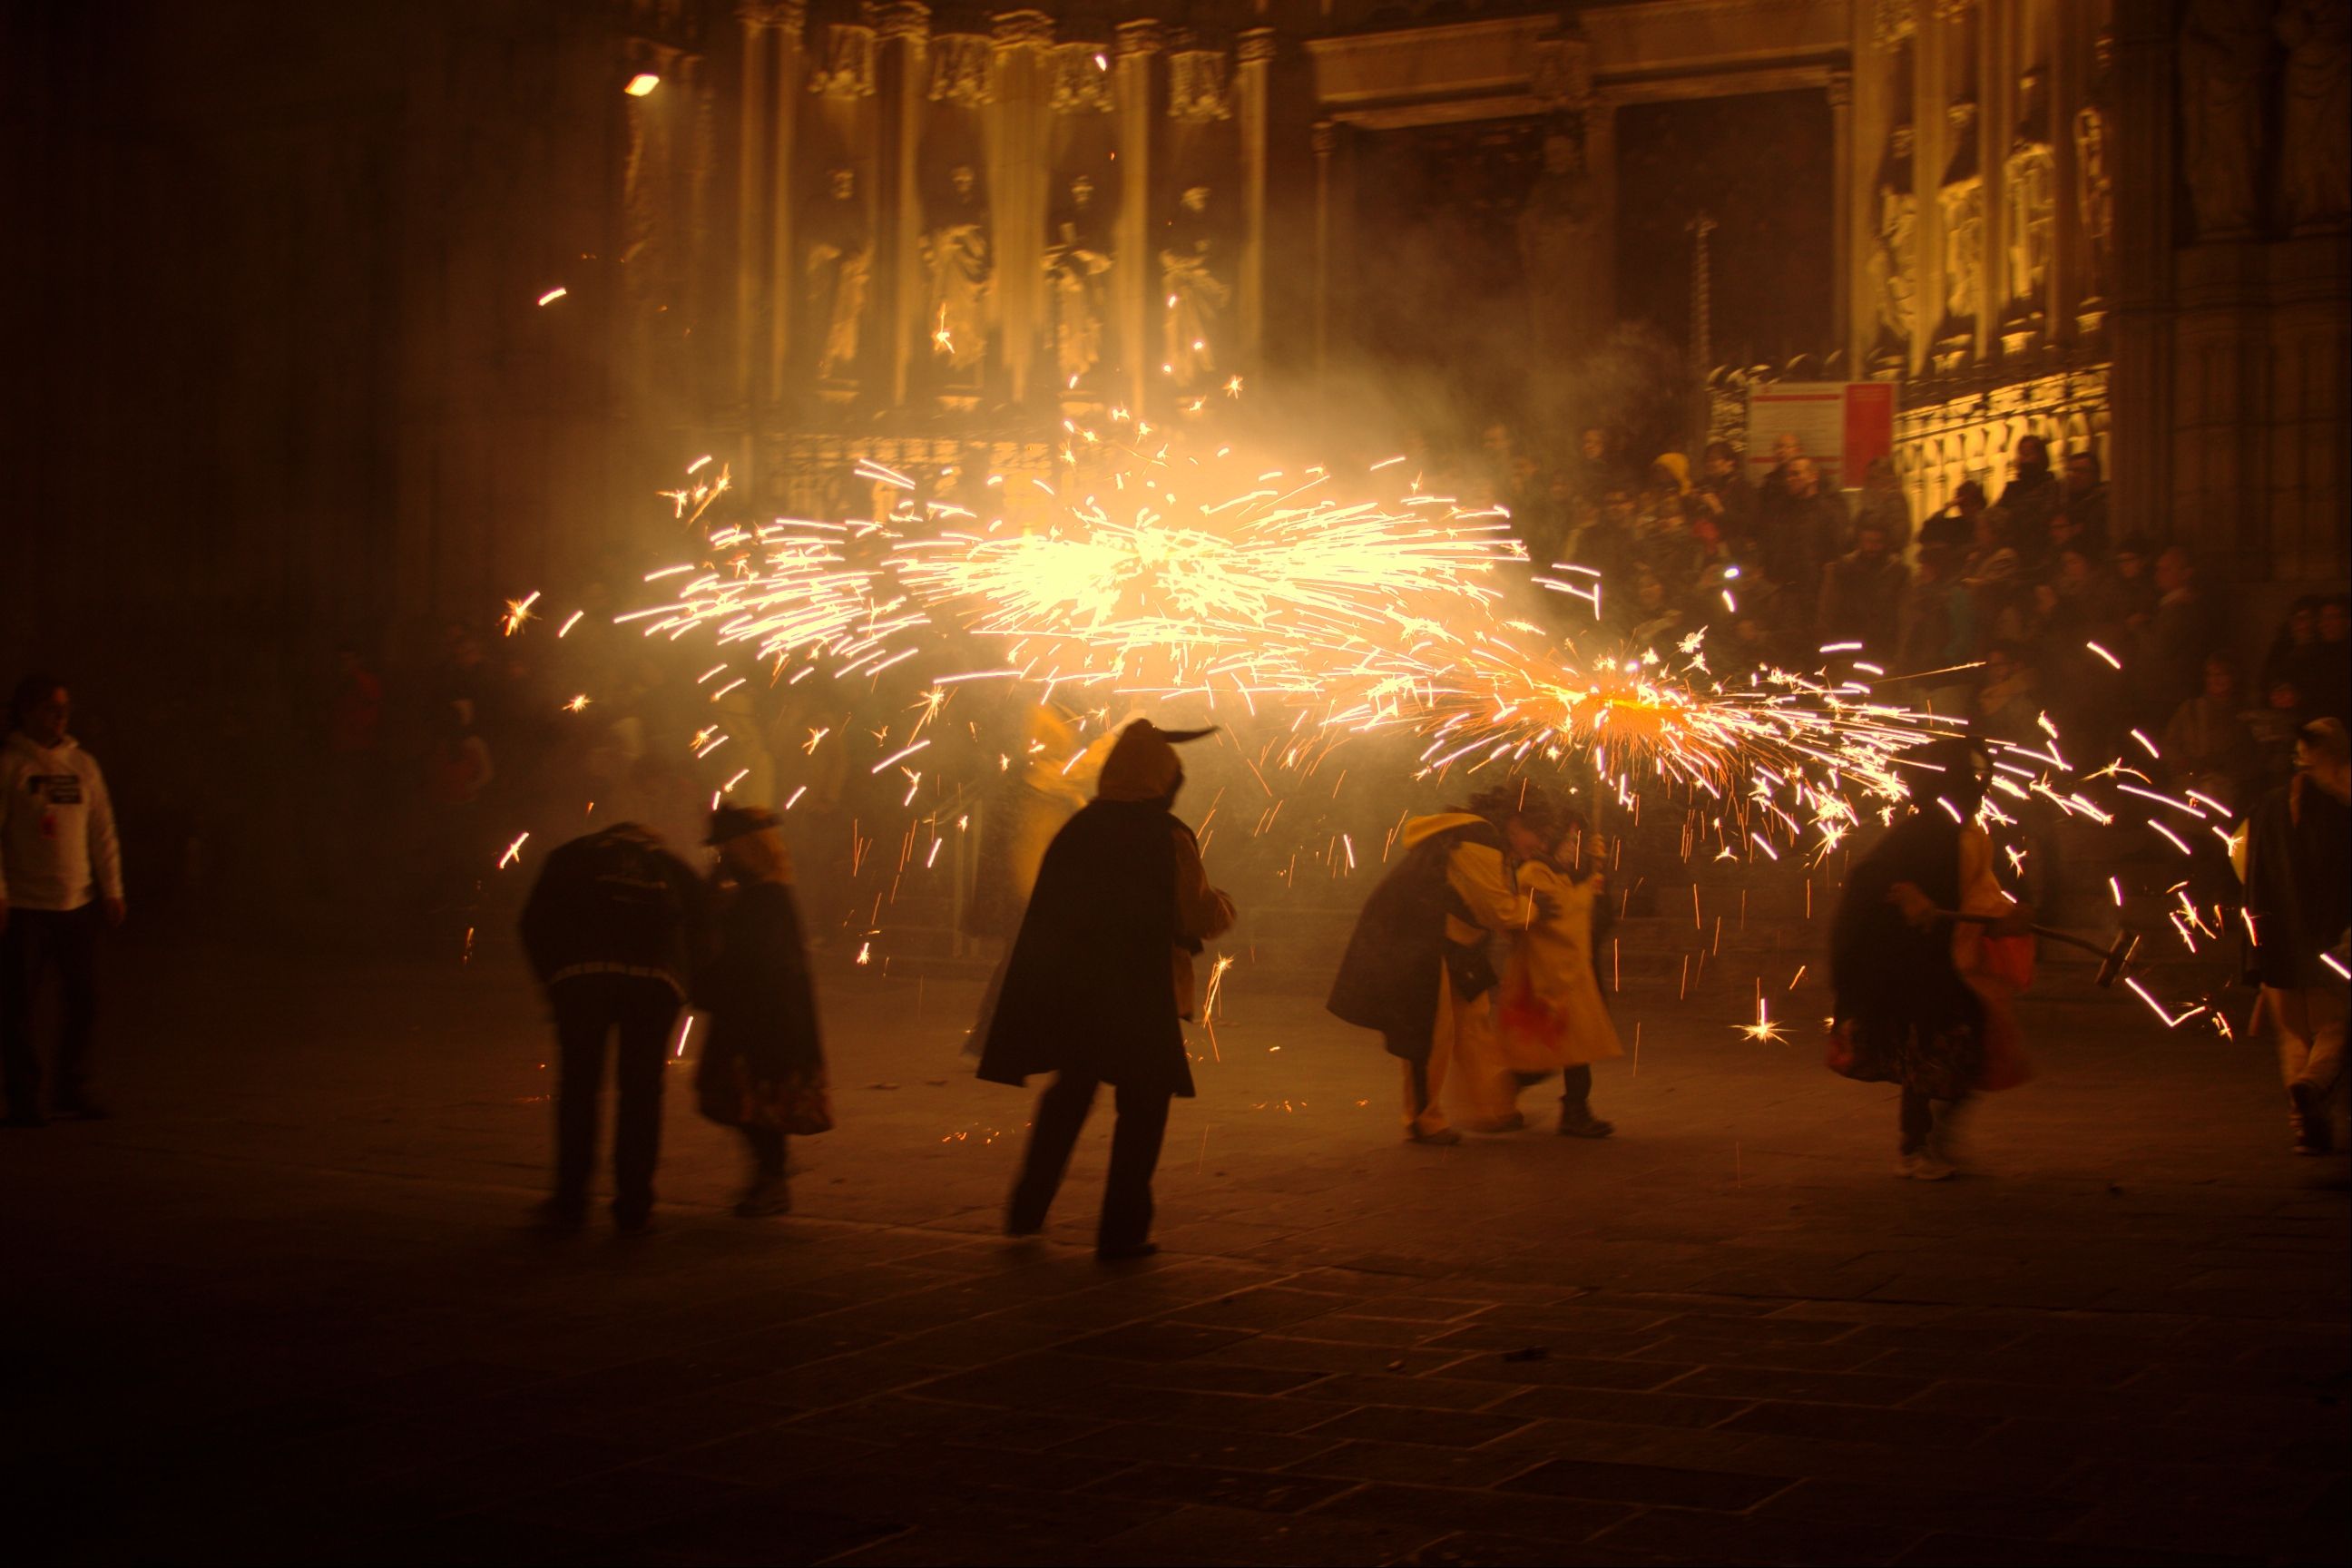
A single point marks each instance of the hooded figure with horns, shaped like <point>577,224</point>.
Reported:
<point>1923,1001</point>
<point>1417,968</point>
<point>1099,982</point>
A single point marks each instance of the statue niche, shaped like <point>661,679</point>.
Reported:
<point>1195,275</point>
<point>1078,259</point>
<point>1961,204</point>
<point>836,270</point>
<point>960,264</point>
<point>2094,192</point>
<point>1555,238</point>
<point>2316,180</point>
<point>2222,44</point>
<point>2029,185</point>
<point>1892,265</point>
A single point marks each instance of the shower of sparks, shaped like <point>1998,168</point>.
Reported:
<point>519,613</point>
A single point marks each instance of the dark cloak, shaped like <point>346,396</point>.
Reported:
<point>756,991</point>
<point>1916,1022</point>
<point>2296,884</point>
<point>1388,978</point>
<point>1090,986</point>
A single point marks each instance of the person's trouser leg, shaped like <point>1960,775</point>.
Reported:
<point>1576,1092</point>
<point>1135,1142</point>
<point>582,1020</point>
<point>1061,1112</point>
<point>1918,1119</point>
<point>2323,1067</point>
<point>75,952</point>
<point>648,1014</point>
<point>1424,1078</point>
<point>21,968</point>
<point>767,1147</point>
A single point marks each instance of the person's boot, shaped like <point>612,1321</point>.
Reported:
<point>766,1195</point>
<point>1577,1121</point>
<point>1441,1137</point>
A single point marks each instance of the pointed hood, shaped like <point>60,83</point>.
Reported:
<point>1143,764</point>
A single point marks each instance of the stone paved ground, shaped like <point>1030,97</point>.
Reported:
<point>283,1308</point>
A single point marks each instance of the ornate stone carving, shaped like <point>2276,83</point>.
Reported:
<point>2222,44</point>
<point>836,270</point>
<point>960,264</point>
<point>903,19</point>
<point>1081,79</point>
<point>2030,188</point>
<point>1195,275</point>
<point>1198,87</point>
<point>962,69</point>
<point>1963,203</point>
<point>756,14</point>
<point>847,69</point>
<point>1079,260</point>
<point>1140,38</point>
<point>1840,89</point>
<point>1033,29</point>
<point>1255,45</point>
<point>2317,182</point>
<point>1892,263</point>
<point>1892,22</point>
<point>2094,183</point>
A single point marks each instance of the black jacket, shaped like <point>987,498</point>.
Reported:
<point>2298,863</point>
<point>1087,988</point>
<point>1388,978</point>
<point>756,991</point>
<point>614,903</point>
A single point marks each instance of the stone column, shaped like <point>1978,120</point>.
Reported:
<point>1254,52</point>
<point>1996,124</point>
<point>2140,475</point>
<point>1845,236</point>
<point>788,19</point>
<point>1017,175</point>
<point>1136,280</point>
<point>1326,141</point>
<point>752,109</point>
<point>903,28</point>
<point>1931,95</point>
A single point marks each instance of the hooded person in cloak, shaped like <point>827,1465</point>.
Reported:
<point>1417,968</point>
<point>1099,982</point>
<point>1922,1001</point>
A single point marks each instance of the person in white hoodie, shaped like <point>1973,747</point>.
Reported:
<point>60,874</point>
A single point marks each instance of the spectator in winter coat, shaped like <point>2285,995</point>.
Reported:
<point>60,875</point>
<point>2295,855</point>
<point>609,928</point>
<point>1863,594</point>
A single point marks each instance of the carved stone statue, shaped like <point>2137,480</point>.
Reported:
<point>2318,183</point>
<point>1193,262</point>
<point>2094,183</point>
<point>1894,258</point>
<point>836,271</point>
<point>961,265</point>
<point>1961,202</point>
<point>1556,235</point>
<point>2029,185</point>
<point>1077,263</point>
<point>2221,47</point>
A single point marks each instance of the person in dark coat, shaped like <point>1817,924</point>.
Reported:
<point>1906,1012</point>
<point>1417,968</point>
<point>1100,980</point>
<point>763,1050</point>
<point>609,929</point>
<point>2297,864</point>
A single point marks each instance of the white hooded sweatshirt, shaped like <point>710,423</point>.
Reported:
<point>57,847</point>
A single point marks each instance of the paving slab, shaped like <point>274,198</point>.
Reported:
<point>290,1307</point>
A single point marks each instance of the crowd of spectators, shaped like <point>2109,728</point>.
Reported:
<point>2002,606</point>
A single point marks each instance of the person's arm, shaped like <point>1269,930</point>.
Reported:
<point>105,846</point>
<point>1477,875</point>
<point>1203,913</point>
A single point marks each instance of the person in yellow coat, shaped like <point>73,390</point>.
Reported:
<point>1551,1017</point>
